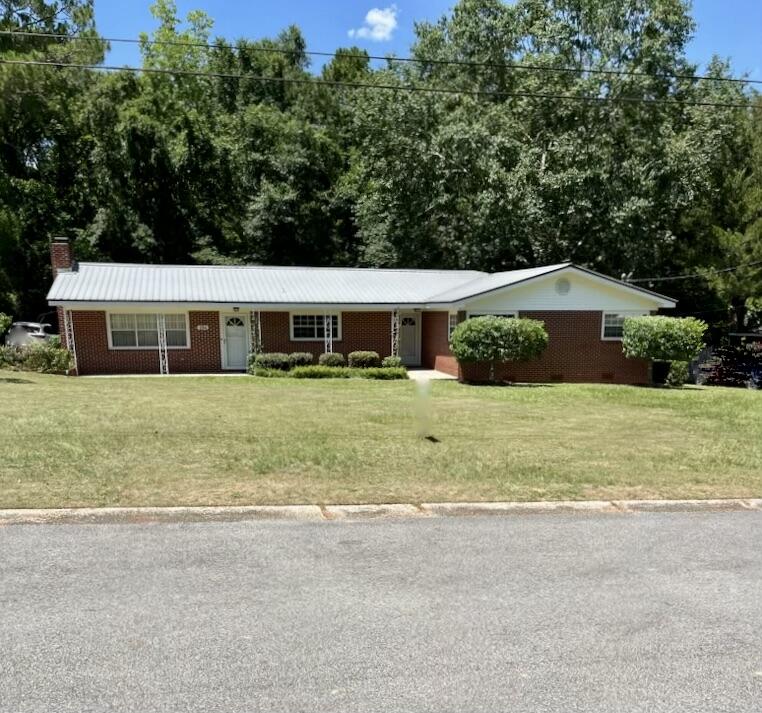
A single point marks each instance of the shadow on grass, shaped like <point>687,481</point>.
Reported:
<point>14,380</point>
<point>508,384</point>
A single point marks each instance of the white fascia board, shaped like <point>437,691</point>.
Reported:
<point>225,306</point>
<point>660,301</point>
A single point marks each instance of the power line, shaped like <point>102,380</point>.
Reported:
<point>367,85</point>
<point>696,274</point>
<point>412,60</point>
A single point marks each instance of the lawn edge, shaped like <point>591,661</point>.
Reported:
<point>327,513</point>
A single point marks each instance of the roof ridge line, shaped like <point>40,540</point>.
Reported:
<point>285,267</point>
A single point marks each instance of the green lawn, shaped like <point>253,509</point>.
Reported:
<point>151,441</point>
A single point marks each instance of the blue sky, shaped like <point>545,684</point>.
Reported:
<point>730,28</point>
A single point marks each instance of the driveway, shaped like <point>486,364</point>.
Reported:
<point>640,612</point>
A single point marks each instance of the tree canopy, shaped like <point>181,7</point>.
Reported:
<point>251,157</point>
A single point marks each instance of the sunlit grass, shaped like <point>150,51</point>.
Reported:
<point>151,441</point>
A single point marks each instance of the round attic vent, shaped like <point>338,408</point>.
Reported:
<point>563,286</point>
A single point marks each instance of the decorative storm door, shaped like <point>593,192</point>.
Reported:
<point>235,343</point>
<point>410,338</point>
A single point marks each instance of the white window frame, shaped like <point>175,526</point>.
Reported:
<point>452,322</point>
<point>152,348</point>
<point>493,313</point>
<point>624,313</point>
<point>312,313</point>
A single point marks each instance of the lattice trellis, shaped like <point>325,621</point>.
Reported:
<point>395,333</point>
<point>69,335</point>
<point>256,332</point>
<point>327,333</point>
<point>161,329</point>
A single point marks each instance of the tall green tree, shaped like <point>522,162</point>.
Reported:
<point>737,278</point>
<point>40,142</point>
<point>274,163</point>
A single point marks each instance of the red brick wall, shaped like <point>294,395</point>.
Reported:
<point>575,353</point>
<point>60,255</point>
<point>360,331</point>
<point>94,356</point>
<point>435,344</point>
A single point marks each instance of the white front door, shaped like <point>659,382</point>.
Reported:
<point>235,341</point>
<point>410,338</point>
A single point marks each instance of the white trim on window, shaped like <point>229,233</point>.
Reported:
<point>493,313</point>
<point>452,322</point>
<point>306,313</point>
<point>623,314</point>
<point>110,329</point>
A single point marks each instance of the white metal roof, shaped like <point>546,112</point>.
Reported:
<point>110,282</point>
<point>96,282</point>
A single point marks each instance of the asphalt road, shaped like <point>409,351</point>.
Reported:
<point>644,612</point>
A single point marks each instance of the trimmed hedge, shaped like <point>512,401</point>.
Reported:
<point>391,361</point>
<point>663,338</point>
<point>496,340</point>
<point>300,359</point>
<point>331,359</point>
<point>363,365</point>
<point>272,360</point>
<point>364,360</point>
<point>677,340</point>
<point>267,373</point>
<point>348,372</point>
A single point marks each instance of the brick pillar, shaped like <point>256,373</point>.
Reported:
<point>61,255</point>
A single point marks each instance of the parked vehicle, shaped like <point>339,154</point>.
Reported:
<point>22,334</point>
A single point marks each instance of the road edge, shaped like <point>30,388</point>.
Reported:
<point>382,511</point>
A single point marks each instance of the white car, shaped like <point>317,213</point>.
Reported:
<point>22,334</point>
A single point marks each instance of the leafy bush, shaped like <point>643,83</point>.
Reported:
<point>331,359</point>
<point>663,338</point>
<point>384,373</point>
<point>11,357</point>
<point>364,360</point>
<point>45,358</point>
<point>267,373</point>
<point>5,323</point>
<point>320,371</point>
<point>300,359</point>
<point>496,339</point>
<point>273,360</point>
<point>391,361</point>
<point>734,364</point>
<point>672,339</point>
<point>346,372</point>
<point>678,374</point>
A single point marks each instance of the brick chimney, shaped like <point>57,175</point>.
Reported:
<point>61,255</point>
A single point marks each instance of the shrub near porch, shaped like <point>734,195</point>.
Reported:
<point>194,440</point>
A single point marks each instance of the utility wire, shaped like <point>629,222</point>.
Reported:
<point>414,60</point>
<point>696,274</point>
<point>393,87</point>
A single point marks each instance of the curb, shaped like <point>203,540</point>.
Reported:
<point>384,511</point>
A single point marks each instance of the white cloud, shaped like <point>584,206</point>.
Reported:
<point>379,25</point>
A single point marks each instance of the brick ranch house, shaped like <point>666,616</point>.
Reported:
<point>120,319</point>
